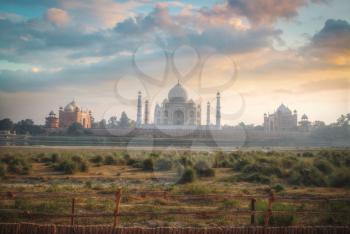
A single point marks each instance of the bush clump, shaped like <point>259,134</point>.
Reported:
<point>19,166</point>
<point>55,157</point>
<point>163,164</point>
<point>278,188</point>
<point>147,164</point>
<point>110,160</point>
<point>188,176</point>
<point>305,174</point>
<point>71,167</point>
<point>97,159</point>
<point>323,165</point>
<point>340,179</point>
<point>254,178</point>
<point>203,169</point>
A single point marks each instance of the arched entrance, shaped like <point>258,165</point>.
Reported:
<point>179,118</point>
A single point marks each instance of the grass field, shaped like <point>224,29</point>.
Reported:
<point>317,172</point>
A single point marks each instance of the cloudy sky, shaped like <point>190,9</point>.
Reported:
<point>257,53</point>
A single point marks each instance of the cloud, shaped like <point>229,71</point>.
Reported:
<point>331,43</point>
<point>325,85</point>
<point>230,41</point>
<point>100,13</point>
<point>57,16</point>
<point>73,76</point>
<point>260,12</point>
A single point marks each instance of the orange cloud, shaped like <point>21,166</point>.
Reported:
<point>57,16</point>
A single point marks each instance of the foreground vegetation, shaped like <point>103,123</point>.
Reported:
<point>297,172</point>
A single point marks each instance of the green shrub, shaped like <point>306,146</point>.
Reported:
<point>240,164</point>
<point>130,161</point>
<point>84,166</point>
<point>229,204</point>
<point>254,178</point>
<point>97,159</point>
<point>188,176</point>
<point>323,165</point>
<point>278,220</point>
<point>19,166</point>
<point>55,157</point>
<point>278,188</point>
<point>71,167</point>
<point>68,167</point>
<point>186,162</point>
<point>163,164</point>
<point>223,164</point>
<point>203,169</point>
<point>126,157</point>
<point>147,165</point>
<point>340,179</point>
<point>307,154</point>
<point>76,158</point>
<point>110,160</point>
<point>263,168</point>
<point>304,174</point>
<point>154,155</point>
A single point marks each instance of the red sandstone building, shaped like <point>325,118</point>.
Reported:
<point>51,121</point>
<point>69,115</point>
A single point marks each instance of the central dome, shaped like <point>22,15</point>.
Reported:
<point>283,109</point>
<point>71,107</point>
<point>177,93</point>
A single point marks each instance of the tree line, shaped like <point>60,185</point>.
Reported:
<point>337,130</point>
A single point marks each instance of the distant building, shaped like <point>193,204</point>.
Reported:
<point>283,119</point>
<point>51,121</point>
<point>304,124</point>
<point>72,113</point>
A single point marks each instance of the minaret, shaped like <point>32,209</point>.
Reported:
<point>139,110</point>
<point>199,115</point>
<point>218,111</point>
<point>208,114</point>
<point>146,112</point>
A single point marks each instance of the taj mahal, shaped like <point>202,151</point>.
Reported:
<point>177,112</point>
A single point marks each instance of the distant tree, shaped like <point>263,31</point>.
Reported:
<point>242,124</point>
<point>113,122</point>
<point>102,124</point>
<point>319,124</point>
<point>27,126</point>
<point>6,124</point>
<point>124,121</point>
<point>343,120</point>
<point>75,129</point>
<point>335,132</point>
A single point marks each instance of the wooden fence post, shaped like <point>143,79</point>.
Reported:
<point>252,208</point>
<point>73,212</point>
<point>269,209</point>
<point>118,196</point>
<point>53,229</point>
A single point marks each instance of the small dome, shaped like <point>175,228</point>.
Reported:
<point>283,109</point>
<point>177,93</point>
<point>52,113</point>
<point>71,107</point>
<point>304,116</point>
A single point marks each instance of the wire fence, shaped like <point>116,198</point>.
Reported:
<point>72,200</point>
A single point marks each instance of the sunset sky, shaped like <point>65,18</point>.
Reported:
<point>257,53</point>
